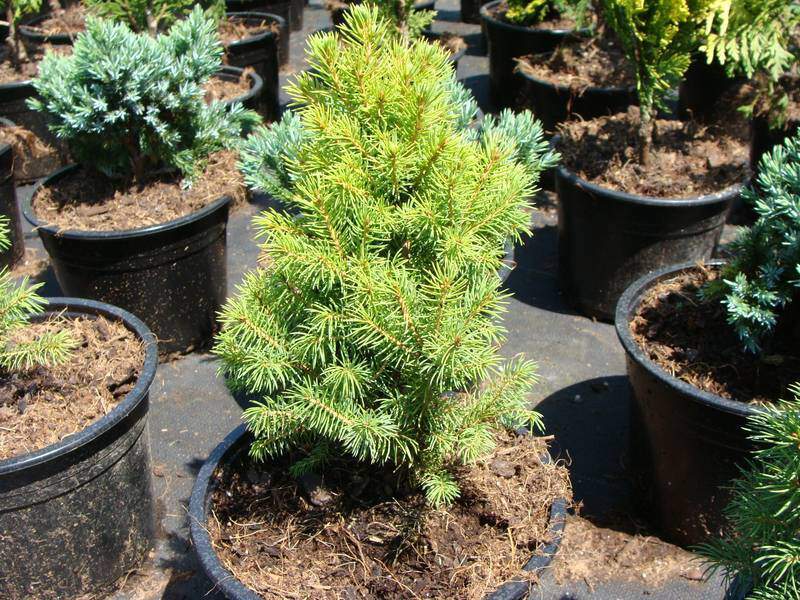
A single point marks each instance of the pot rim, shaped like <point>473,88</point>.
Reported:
<point>233,589</point>
<point>131,400</point>
<point>484,14</point>
<point>58,39</point>
<point>263,16</point>
<point>725,195</point>
<point>80,234</point>
<point>627,305</point>
<point>256,83</point>
<point>631,89</point>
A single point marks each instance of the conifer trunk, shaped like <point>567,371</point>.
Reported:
<point>645,136</point>
<point>15,47</point>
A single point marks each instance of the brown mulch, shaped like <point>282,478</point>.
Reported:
<point>687,160</point>
<point>33,157</point>
<point>71,21</point>
<point>44,405</point>
<point>364,538</point>
<point>29,68</point>
<point>88,201</point>
<point>594,554</point>
<point>224,89</point>
<point>234,30</point>
<point>580,63</point>
<point>691,340</point>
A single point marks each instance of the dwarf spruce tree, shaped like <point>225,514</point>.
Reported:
<point>18,303</point>
<point>658,38</point>
<point>127,103</point>
<point>371,326</point>
<point>763,548</point>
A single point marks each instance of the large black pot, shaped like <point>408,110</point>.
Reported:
<point>265,53</point>
<point>239,441</point>
<point>471,10</point>
<point>8,205</point>
<point>13,98</point>
<point>254,98</point>
<point>686,444</point>
<point>32,37</point>
<point>78,515</point>
<point>173,274</point>
<point>505,42</point>
<point>702,86</point>
<point>608,239</point>
<point>290,10</point>
<point>554,103</point>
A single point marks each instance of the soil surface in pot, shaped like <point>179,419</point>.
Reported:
<point>233,30</point>
<point>451,42</point>
<point>43,405</point>
<point>691,340</point>
<point>687,159</point>
<point>31,153</point>
<point>580,63</point>
<point>355,537</point>
<point>595,554</point>
<point>71,21</point>
<point>29,68</point>
<point>223,89</point>
<point>86,200</point>
<point>554,21</point>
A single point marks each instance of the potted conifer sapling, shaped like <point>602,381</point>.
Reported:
<point>759,556</point>
<point>368,336</point>
<point>75,490</point>
<point>141,220</point>
<point>706,346</point>
<point>290,10</point>
<point>516,28</point>
<point>638,192</point>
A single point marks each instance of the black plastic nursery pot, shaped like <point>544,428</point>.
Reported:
<point>231,448</point>
<point>13,97</point>
<point>554,103</point>
<point>702,86</point>
<point>505,42</point>
<point>8,206</point>
<point>78,515</point>
<point>31,36</point>
<point>290,10</point>
<point>264,52</point>
<point>608,239</point>
<point>686,444</point>
<point>254,98</point>
<point>471,10</point>
<point>173,274</point>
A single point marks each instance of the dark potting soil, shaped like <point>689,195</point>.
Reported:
<point>692,341</point>
<point>86,200</point>
<point>687,159</point>
<point>580,63</point>
<point>231,30</point>
<point>451,42</point>
<point>71,21</point>
<point>788,87</point>
<point>554,21</point>
<point>28,68</point>
<point>593,554</point>
<point>44,405</point>
<point>355,537</point>
<point>221,89</point>
<point>32,155</point>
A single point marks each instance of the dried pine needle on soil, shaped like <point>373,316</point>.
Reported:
<point>43,405</point>
<point>367,540</point>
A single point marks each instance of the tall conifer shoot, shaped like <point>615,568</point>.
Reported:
<point>371,326</point>
<point>658,38</point>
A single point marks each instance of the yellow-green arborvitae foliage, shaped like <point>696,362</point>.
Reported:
<point>371,327</point>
